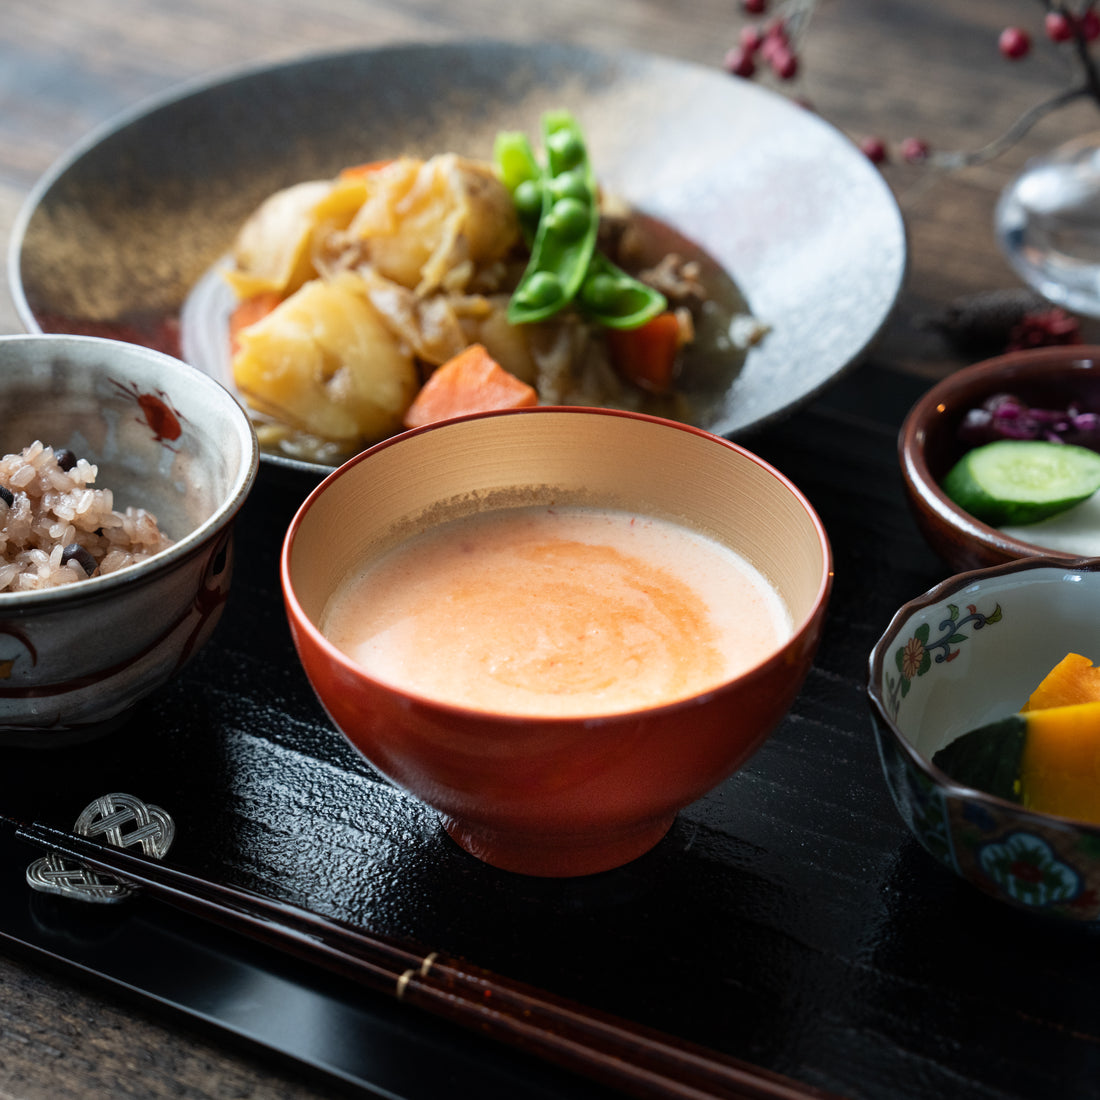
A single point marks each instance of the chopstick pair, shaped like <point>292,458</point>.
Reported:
<point>638,1061</point>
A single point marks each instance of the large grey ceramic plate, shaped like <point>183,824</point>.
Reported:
<point>115,237</point>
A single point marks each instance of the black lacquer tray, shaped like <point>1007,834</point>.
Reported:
<point>788,919</point>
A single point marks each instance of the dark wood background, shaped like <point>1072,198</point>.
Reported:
<point>896,68</point>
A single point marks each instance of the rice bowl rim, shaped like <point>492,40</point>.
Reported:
<point>187,545</point>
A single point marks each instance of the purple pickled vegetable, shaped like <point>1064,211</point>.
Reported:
<point>1005,416</point>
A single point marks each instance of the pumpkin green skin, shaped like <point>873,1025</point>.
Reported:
<point>988,758</point>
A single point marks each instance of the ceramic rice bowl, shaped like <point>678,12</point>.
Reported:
<point>75,658</point>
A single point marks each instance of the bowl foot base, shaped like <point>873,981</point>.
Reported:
<point>58,737</point>
<point>549,855</point>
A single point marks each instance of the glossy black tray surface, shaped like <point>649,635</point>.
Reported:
<point>788,919</point>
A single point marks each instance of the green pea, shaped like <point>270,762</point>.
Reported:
<point>604,293</point>
<point>569,185</point>
<point>570,218</point>
<point>566,149</point>
<point>611,297</point>
<point>528,199</point>
<point>541,289</point>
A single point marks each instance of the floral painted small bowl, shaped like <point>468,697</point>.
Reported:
<point>967,652</point>
<point>75,658</point>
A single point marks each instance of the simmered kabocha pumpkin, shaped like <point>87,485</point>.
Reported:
<point>1047,757</point>
<point>1074,679</point>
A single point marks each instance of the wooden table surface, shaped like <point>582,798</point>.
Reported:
<point>928,68</point>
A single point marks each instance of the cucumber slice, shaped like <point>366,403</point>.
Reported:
<point>1021,481</point>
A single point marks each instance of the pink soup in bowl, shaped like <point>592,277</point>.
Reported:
<point>557,627</point>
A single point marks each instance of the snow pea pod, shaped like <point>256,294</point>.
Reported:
<point>565,239</point>
<point>521,174</point>
<point>614,299</point>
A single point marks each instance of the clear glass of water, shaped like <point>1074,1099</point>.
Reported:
<point>1047,223</point>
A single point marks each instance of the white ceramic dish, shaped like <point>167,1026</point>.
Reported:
<point>117,235</point>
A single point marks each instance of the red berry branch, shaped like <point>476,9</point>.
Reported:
<point>996,321</point>
<point>770,44</point>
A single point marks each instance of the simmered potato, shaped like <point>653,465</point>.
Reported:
<point>376,272</point>
<point>428,325</point>
<point>508,344</point>
<point>324,362</point>
<point>272,252</point>
<point>429,224</point>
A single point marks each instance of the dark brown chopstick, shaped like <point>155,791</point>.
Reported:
<point>637,1060</point>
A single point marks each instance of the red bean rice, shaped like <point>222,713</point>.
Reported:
<point>53,509</point>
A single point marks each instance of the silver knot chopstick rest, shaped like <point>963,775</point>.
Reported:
<point>123,821</point>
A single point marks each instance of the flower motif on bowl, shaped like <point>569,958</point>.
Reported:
<point>1027,869</point>
<point>920,651</point>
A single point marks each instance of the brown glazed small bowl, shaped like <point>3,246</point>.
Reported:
<point>928,444</point>
<point>75,658</point>
<point>556,796</point>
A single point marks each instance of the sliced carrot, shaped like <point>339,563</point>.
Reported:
<point>646,355</point>
<point>248,312</point>
<point>357,171</point>
<point>472,382</point>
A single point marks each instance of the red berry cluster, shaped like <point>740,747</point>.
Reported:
<point>1044,328</point>
<point>769,43</point>
<point>1060,25</point>
<point>772,42</point>
<point>912,150</point>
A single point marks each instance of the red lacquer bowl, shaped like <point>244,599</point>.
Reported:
<point>556,796</point>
